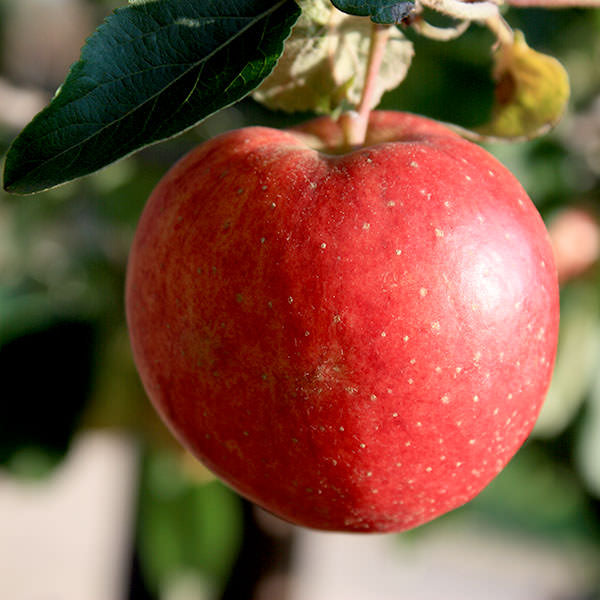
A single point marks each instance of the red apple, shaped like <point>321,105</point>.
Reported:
<point>355,342</point>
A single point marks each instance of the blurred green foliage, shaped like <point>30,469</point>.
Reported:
<point>185,527</point>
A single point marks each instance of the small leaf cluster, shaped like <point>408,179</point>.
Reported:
<point>156,68</point>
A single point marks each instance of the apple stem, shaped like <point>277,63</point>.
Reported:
<point>355,123</point>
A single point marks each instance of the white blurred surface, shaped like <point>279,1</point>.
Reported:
<point>454,562</point>
<point>68,537</point>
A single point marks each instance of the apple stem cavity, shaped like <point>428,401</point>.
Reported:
<point>354,123</point>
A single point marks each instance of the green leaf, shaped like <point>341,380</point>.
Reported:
<point>323,67</point>
<point>537,494</point>
<point>380,11</point>
<point>185,526</point>
<point>392,14</point>
<point>577,358</point>
<point>532,92</point>
<point>152,70</point>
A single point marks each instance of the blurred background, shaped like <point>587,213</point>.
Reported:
<point>97,502</point>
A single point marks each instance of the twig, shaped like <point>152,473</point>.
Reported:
<point>472,11</point>
<point>441,34</point>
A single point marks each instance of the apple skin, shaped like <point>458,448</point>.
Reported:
<point>355,342</point>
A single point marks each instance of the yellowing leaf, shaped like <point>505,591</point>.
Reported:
<point>324,62</point>
<point>318,11</point>
<point>532,90</point>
